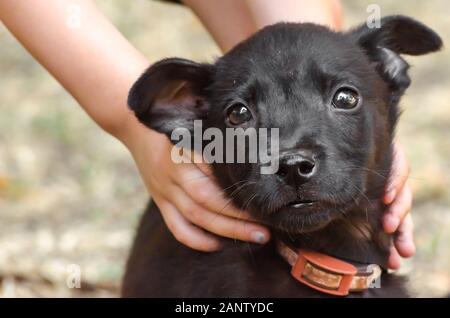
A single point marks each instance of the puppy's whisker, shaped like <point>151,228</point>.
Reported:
<point>235,193</point>
<point>358,189</point>
<point>380,173</point>
<point>365,169</point>
<point>231,195</point>
<point>236,183</point>
<point>247,203</point>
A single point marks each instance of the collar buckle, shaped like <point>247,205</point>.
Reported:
<point>324,273</point>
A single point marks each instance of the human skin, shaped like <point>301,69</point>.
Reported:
<point>97,65</point>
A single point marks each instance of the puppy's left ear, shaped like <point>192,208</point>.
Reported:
<point>171,94</point>
<point>396,35</point>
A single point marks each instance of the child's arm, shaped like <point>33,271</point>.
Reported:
<point>97,65</point>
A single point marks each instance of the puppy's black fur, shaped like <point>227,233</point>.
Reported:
<point>287,76</point>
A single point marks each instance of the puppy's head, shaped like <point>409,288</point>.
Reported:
<point>333,97</point>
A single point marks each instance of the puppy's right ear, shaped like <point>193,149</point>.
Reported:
<point>171,94</point>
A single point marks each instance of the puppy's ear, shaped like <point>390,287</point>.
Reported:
<point>171,94</point>
<point>396,35</point>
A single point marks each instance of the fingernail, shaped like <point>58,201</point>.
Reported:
<point>391,223</point>
<point>389,197</point>
<point>258,237</point>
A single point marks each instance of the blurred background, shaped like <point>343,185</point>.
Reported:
<point>70,194</point>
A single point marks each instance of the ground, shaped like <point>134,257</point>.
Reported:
<point>70,194</point>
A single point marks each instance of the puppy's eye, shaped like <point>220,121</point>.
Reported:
<point>346,98</point>
<point>239,114</point>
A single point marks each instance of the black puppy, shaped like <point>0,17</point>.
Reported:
<point>334,97</point>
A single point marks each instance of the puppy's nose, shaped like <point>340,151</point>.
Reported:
<point>297,168</point>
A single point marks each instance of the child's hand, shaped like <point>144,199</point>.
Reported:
<point>192,206</point>
<point>397,218</point>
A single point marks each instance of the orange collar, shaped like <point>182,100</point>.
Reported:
<point>329,274</point>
